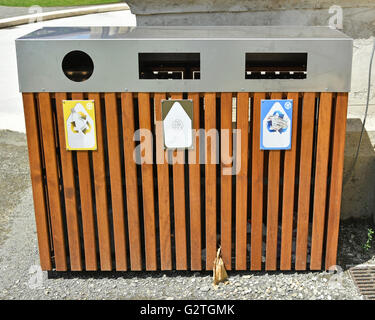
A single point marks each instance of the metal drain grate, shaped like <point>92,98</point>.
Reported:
<point>364,278</point>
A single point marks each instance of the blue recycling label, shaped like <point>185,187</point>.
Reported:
<point>276,124</point>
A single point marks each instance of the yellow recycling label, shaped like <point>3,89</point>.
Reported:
<point>79,122</point>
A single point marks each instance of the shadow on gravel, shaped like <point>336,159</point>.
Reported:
<point>351,252</point>
<point>124,275</point>
<point>157,274</point>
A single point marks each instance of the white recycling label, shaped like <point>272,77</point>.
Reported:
<point>177,124</point>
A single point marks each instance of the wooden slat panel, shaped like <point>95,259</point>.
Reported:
<point>179,211</point>
<point>69,190</point>
<point>88,223</point>
<point>48,136</point>
<point>257,188</point>
<point>148,185</point>
<point>210,178</point>
<point>241,180</point>
<point>179,204</point>
<point>226,179</point>
<point>273,203</point>
<point>163,189</point>
<point>131,181</point>
<point>98,159</point>
<point>195,193</point>
<point>114,156</point>
<point>34,148</point>
<point>288,192</point>
<point>336,179</point>
<point>321,171</point>
<point>307,136</point>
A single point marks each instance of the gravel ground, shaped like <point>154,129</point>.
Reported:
<point>14,175</point>
<point>20,278</point>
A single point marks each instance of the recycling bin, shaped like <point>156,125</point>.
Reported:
<point>150,147</point>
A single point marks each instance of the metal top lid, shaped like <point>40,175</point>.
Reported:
<point>215,33</point>
<point>196,59</point>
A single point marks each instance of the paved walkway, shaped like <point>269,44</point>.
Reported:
<point>11,111</point>
<point>8,12</point>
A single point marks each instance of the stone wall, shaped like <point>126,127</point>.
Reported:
<point>359,16</point>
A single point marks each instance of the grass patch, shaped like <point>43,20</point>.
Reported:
<point>53,3</point>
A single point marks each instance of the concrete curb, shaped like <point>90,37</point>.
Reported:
<point>37,17</point>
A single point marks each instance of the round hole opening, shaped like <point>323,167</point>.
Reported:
<point>77,66</point>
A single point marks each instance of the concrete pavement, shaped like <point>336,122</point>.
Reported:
<point>11,111</point>
<point>8,12</point>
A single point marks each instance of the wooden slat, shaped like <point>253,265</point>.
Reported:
<point>100,184</point>
<point>131,181</point>
<point>273,203</point>
<point>53,187</point>
<point>117,198</point>
<point>241,180</point>
<point>148,184</point>
<point>210,178</point>
<point>226,179</point>
<point>288,192</point>
<point>336,179</point>
<point>34,148</point>
<point>163,188</point>
<point>321,171</point>
<point>83,164</point>
<point>71,210</point>
<point>179,204</point>
<point>257,188</point>
<point>87,210</point>
<point>307,136</point>
<point>195,192</point>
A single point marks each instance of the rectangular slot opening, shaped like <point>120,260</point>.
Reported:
<point>260,65</point>
<point>169,66</point>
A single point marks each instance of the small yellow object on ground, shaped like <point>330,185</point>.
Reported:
<point>219,272</point>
